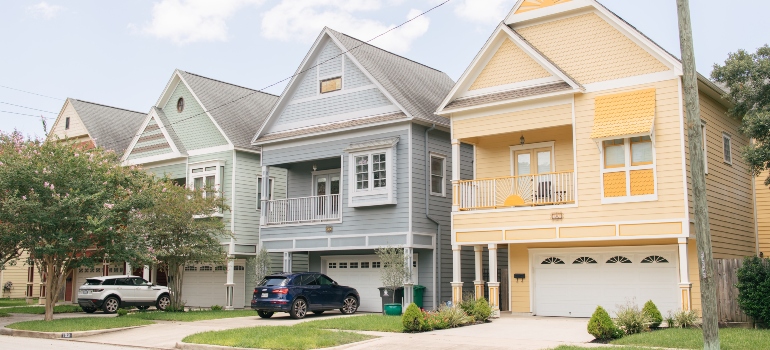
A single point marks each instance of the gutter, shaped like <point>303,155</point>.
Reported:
<point>437,255</point>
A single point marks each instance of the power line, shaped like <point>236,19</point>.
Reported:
<point>28,115</point>
<point>10,88</point>
<point>34,109</point>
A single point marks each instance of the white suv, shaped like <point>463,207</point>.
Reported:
<point>110,293</point>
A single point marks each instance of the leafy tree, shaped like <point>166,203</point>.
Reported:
<point>394,271</point>
<point>747,77</point>
<point>68,204</point>
<point>263,264</point>
<point>182,226</point>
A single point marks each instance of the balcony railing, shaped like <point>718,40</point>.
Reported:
<point>515,191</point>
<point>304,210</point>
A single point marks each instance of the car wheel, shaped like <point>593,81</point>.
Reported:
<point>298,309</point>
<point>350,305</point>
<point>111,305</point>
<point>89,310</point>
<point>318,312</point>
<point>265,314</point>
<point>163,302</point>
<point>143,307</point>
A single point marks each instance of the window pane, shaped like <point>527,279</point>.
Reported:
<point>259,193</point>
<point>614,154</point>
<point>727,148</point>
<point>378,170</point>
<point>211,168</point>
<point>198,183</point>
<point>523,164</point>
<point>362,172</point>
<point>198,170</point>
<point>210,181</point>
<point>641,153</point>
<point>436,166</point>
<point>543,162</point>
<point>437,175</point>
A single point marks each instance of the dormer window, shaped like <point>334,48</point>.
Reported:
<point>331,85</point>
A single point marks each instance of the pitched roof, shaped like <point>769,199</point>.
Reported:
<point>239,111</point>
<point>110,127</point>
<point>416,87</point>
<point>508,95</point>
<point>331,127</point>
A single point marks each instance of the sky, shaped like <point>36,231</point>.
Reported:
<point>122,53</point>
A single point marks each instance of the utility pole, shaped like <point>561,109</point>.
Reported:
<point>697,168</point>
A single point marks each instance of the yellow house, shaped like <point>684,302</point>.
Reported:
<point>762,203</point>
<point>580,166</point>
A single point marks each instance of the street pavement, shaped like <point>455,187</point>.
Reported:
<point>7,342</point>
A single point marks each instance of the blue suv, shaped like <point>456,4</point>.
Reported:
<point>300,293</point>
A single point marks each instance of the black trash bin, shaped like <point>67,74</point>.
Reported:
<point>387,296</point>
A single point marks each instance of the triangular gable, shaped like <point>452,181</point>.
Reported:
<point>154,141</point>
<point>77,129</point>
<point>506,62</point>
<point>530,5</point>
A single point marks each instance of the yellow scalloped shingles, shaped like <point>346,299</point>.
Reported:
<point>615,184</point>
<point>627,113</point>
<point>642,182</point>
<point>509,65</point>
<point>590,50</point>
<point>530,5</point>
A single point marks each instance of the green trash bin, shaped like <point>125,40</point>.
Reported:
<point>419,291</point>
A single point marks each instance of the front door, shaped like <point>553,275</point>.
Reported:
<point>325,186</point>
<point>537,163</point>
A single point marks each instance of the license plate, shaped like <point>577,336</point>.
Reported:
<point>264,295</point>
<point>86,291</point>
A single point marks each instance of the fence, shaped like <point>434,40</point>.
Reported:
<point>726,277</point>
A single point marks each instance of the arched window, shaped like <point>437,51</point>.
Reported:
<point>619,260</point>
<point>584,260</point>
<point>654,259</point>
<point>552,260</point>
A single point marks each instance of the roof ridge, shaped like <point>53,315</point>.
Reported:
<point>103,105</point>
<point>224,82</point>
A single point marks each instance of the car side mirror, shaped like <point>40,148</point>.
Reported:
<point>334,283</point>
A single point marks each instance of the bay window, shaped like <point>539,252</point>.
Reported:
<point>372,172</point>
<point>206,175</point>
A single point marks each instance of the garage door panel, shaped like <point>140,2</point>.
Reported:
<point>204,286</point>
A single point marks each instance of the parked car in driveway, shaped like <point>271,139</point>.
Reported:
<point>300,293</point>
<point>110,293</point>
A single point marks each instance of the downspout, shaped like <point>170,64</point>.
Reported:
<point>437,256</point>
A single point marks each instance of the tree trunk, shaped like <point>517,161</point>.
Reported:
<point>697,167</point>
<point>49,282</point>
<point>176,274</point>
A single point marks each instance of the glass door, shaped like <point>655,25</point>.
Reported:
<point>533,168</point>
<point>325,186</point>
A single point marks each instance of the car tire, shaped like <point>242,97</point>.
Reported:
<point>111,305</point>
<point>88,310</point>
<point>349,305</point>
<point>265,314</point>
<point>163,302</point>
<point>318,312</point>
<point>298,309</point>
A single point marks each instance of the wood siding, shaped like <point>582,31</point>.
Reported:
<point>763,213</point>
<point>152,142</point>
<point>495,124</point>
<point>193,126</point>
<point>17,274</point>
<point>509,65</point>
<point>77,128</point>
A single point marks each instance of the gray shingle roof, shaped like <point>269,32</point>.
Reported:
<point>332,126</point>
<point>239,111</point>
<point>110,127</point>
<point>508,95</point>
<point>416,87</point>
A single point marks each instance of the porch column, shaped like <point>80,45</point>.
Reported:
<point>230,284</point>
<point>478,283</point>
<point>685,287</point>
<point>287,261</point>
<point>146,272</point>
<point>265,194</point>
<point>408,284</point>
<point>455,175</point>
<point>128,269</point>
<point>457,284</point>
<point>494,285</point>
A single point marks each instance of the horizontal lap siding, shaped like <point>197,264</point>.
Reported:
<point>246,216</point>
<point>332,105</point>
<point>763,213</point>
<point>530,119</point>
<point>173,171</point>
<point>194,127</point>
<point>77,128</point>
<point>17,274</point>
<point>226,179</point>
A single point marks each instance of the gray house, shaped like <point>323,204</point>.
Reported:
<point>367,164</point>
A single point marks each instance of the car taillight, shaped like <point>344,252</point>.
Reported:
<point>281,291</point>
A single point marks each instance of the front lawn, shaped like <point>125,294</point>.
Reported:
<point>278,337</point>
<point>729,338</point>
<point>4,314</point>
<point>13,302</point>
<point>377,323</point>
<point>78,324</point>
<point>39,310</point>
<point>191,316</point>
<point>573,347</point>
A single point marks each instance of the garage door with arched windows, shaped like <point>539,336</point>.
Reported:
<point>573,282</point>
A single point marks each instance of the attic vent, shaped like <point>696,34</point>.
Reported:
<point>67,123</point>
<point>180,105</point>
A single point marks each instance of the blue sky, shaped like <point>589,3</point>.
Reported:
<point>123,53</point>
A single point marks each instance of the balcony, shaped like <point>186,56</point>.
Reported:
<point>515,191</point>
<point>303,210</point>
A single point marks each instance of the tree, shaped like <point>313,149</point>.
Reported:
<point>182,226</point>
<point>394,271</point>
<point>69,205</point>
<point>263,264</point>
<point>747,77</point>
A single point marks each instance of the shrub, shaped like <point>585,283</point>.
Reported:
<point>454,316</point>
<point>413,318</point>
<point>479,309</point>
<point>685,319</point>
<point>670,320</point>
<point>653,314</point>
<point>122,312</point>
<point>434,320</point>
<point>754,288</point>
<point>601,326</point>
<point>216,308</point>
<point>631,320</point>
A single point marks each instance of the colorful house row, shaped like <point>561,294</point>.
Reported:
<point>552,177</point>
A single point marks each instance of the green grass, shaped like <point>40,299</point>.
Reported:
<point>39,310</point>
<point>730,338</point>
<point>13,302</point>
<point>280,337</point>
<point>572,347</point>
<point>377,323</point>
<point>4,314</point>
<point>78,324</point>
<point>191,316</point>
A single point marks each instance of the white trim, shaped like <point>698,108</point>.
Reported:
<point>521,105</point>
<point>252,151</point>
<point>509,87</point>
<point>218,175</point>
<point>509,102</point>
<point>443,173</point>
<point>313,175</point>
<point>686,199</point>
<point>574,154</point>
<point>310,142</point>
<point>411,174</point>
<point>627,169</point>
<point>546,12</point>
<point>131,145</point>
<point>153,159</point>
<point>337,118</point>
<point>271,192</point>
<point>232,208</point>
<point>209,150</point>
<point>333,93</point>
<point>729,143</point>
<point>631,81</point>
<point>558,226</point>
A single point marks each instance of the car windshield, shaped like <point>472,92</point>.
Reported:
<point>270,281</point>
<point>92,282</point>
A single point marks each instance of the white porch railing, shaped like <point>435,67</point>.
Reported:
<point>314,209</point>
<point>515,191</point>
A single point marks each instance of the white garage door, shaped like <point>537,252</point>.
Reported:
<point>204,285</point>
<point>361,272</point>
<point>573,283</point>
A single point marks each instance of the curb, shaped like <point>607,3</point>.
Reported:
<point>191,346</point>
<point>60,335</point>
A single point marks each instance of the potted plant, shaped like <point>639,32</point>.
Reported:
<point>393,273</point>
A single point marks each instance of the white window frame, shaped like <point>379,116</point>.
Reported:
<point>705,147</point>
<point>443,174</point>
<point>628,168</point>
<point>203,165</point>
<point>727,140</point>
<point>270,193</point>
<point>531,146</point>
<point>390,178</point>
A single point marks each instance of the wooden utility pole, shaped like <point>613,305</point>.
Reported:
<point>697,168</point>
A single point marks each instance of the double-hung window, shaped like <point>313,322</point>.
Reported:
<point>206,176</point>
<point>259,191</point>
<point>628,170</point>
<point>371,171</point>
<point>437,175</point>
<point>727,147</point>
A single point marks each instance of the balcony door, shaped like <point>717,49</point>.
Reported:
<point>326,184</point>
<point>532,170</point>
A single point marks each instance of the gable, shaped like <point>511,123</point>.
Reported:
<point>152,142</point>
<point>591,50</point>
<point>76,128</point>
<point>529,5</point>
<point>193,126</point>
<point>509,65</point>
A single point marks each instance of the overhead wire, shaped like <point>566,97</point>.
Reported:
<point>33,93</point>
<point>34,109</point>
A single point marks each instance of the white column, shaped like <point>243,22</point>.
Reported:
<point>408,284</point>
<point>128,269</point>
<point>287,262</point>
<point>478,283</point>
<point>265,194</point>
<point>154,275</point>
<point>685,286</point>
<point>230,282</point>
<point>494,285</point>
<point>146,272</point>
<point>457,284</point>
<point>455,175</point>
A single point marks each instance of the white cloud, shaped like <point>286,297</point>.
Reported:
<point>189,21</point>
<point>45,10</point>
<point>302,20</point>
<point>485,12</point>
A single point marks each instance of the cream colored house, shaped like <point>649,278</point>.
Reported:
<point>581,159</point>
<point>762,202</point>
